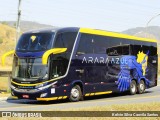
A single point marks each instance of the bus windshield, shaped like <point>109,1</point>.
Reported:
<point>30,68</point>
<point>35,42</point>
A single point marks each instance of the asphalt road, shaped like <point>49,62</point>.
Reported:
<point>151,95</point>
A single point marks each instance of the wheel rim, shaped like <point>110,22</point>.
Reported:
<point>141,86</point>
<point>133,88</point>
<point>75,93</point>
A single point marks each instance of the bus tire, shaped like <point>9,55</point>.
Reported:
<point>141,87</point>
<point>133,87</point>
<point>76,94</point>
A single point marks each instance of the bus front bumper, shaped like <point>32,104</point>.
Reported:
<point>42,95</point>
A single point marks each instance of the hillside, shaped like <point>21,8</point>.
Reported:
<point>7,40</point>
<point>149,32</point>
<point>26,25</point>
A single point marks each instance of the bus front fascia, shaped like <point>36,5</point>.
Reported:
<point>44,57</point>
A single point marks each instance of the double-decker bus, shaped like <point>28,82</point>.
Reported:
<point>62,63</point>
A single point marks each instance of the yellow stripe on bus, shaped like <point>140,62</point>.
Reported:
<point>52,98</point>
<point>91,94</point>
<point>47,99</point>
<point>87,94</point>
<point>60,97</point>
<point>5,55</point>
<point>114,34</point>
<point>64,97</point>
<point>98,93</point>
<point>32,84</point>
<point>51,51</point>
<point>101,93</point>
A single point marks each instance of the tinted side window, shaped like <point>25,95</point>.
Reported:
<point>146,48</point>
<point>150,50</point>
<point>114,51</point>
<point>126,50</point>
<point>119,50</point>
<point>101,44</point>
<point>136,49</point>
<point>153,50</point>
<point>114,47</point>
<point>118,46</point>
<point>86,44</point>
<point>114,42</point>
<point>65,40</point>
<point>94,44</point>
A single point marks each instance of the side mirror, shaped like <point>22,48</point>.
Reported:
<point>52,51</point>
<point>5,55</point>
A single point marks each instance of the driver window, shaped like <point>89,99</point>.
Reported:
<point>86,45</point>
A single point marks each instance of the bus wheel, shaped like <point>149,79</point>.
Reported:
<point>141,87</point>
<point>75,94</point>
<point>133,87</point>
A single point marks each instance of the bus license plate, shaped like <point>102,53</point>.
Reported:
<point>26,96</point>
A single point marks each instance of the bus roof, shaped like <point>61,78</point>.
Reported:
<point>53,29</point>
<point>114,34</point>
<point>93,31</point>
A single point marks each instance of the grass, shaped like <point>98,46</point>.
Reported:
<point>151,106</point>
<point>3,83</point>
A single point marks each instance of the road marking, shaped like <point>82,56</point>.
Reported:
<point>34,106</point>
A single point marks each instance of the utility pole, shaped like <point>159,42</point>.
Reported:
<point>152,19</point>
<point>146,27</point>
<point>18,22</point>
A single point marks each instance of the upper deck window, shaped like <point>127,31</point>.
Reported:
<point>35,42</point>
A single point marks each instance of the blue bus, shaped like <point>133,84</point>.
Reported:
<point>71,63</point>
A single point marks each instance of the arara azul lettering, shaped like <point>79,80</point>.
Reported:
<point>103,60</point>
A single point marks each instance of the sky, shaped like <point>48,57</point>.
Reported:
<point>112,15</point>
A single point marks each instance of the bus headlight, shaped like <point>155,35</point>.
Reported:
<point>38,86</point>
<point>43,95</point>
<point>47,86</point>
<point>46,76</point>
